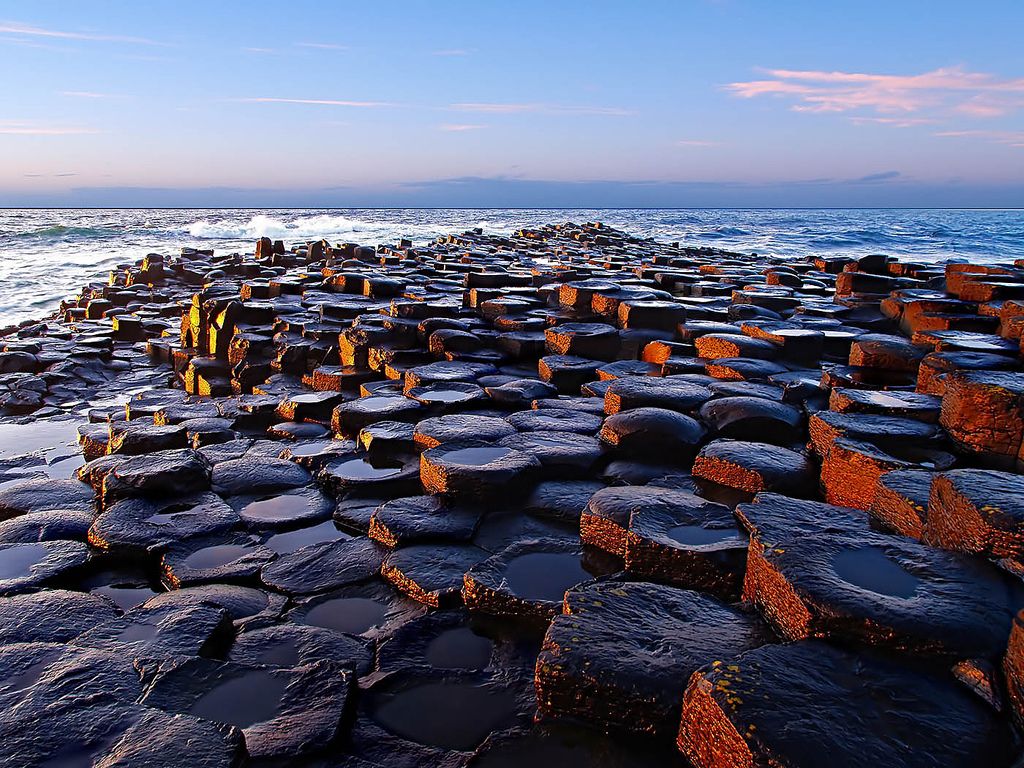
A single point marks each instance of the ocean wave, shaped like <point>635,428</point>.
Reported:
<point>65,230</point>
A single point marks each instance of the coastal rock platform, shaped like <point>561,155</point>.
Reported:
<point>566,496</point>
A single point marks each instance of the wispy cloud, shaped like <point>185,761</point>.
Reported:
<point>317,102</point>
<point>948,90</point>
<point>452,52</point>
<point>1010,138</point>
<point>324,46</point>
<point>89,95</point>
<point>28,30</point>
<point>525,108</point>
<point>896,122</point>
<point>28,128</point>
<point>458,127</point>
<point>251,49</point>
<point>696,143</point>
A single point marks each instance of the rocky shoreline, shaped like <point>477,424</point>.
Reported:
<point>568,497</point>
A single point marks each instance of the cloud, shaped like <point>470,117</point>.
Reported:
<point>458,127</point>
<point>324,46</point>
<point>1010,138</point>
<point>452,52</point>
<point>896,122</point>
<point>17,28</point>
<point>317,102</point>
<point>259,50</point>
<point>696,143</point>
<point>946,90</point>
<point>25,128</point>
<point>88,95</point>
<point>536,108</point>
<point>873,177</point>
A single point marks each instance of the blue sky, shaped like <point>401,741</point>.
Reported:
<point>685,103</point>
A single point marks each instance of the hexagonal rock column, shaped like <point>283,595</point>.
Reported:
<point>983,411</point>
<point>591,340</point>
<point>851,469</point>
<point>977,510</point>
<point>756,467</point>
<point>470,469</point>
<point>688,542</point>
<point>817,570</point>
<point>811,704</point>
<point>1013,669</point>
<point>901,501</point>
<point>622,652</point>
<point>653,432</point>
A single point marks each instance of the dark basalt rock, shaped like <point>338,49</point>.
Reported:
<point>883,431</point>
<point>69,524</point>
<point>901,502</point>
<point>286,542</point>
<point>64,703</point>
<point>755,467</point>
<point>979,511</point>
<point>509,525</point>
<point>152,524</point>
<point>42,495</point>
<point>851,469</point>
<point>160,740</point>
<point>370,475</point>
<point>158,474</point>
<point>712,346</point>
<point>132,438</point>
<point>605,520</point>
<point>800,704</point>
<point>475,470</point>
<point>816,570</point>
<point>246,476</point>
<point>370,610</point>
<point>445,372</point>
<point>449,397</point>
<point>567,373</point>
<point>879,350</point>
<point>526,581</point>
<point>281,712</point>
<point>27,567</point>
<point>563,500</point>
<point>230,558</point>
<point>451,639</point>
<point>351,417</point>
<point>555,420</point>
<point>753,418</point>
<point>743,369</point>
<point>983,412</point>
<point>911,405</point>
<point>1013,669</point>
<point>654,433</point>
<point>680,539</point>
<point>931,376</point>
<point>324,566</point>
<point>286,510</point>
<point>51,616</point>
<point>296,645</point>
<point>590,340</point>
<point>446,710</point>
<point>622,652</point>
<point>455,427</point>
<point>432,573</point>
<point>163,632</point>
<point>417,519</point>
<point>561,454</point>
<point>520,393</point>
<point>671,392</point>
<point>570,745</point>
<point>243,604</point>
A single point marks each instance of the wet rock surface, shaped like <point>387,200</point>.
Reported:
<point>487,500</point>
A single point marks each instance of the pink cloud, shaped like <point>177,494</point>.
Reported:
<point>1010,138</point>
<point>458,127</point>
<point>944,90</point>
<point>317,102</point>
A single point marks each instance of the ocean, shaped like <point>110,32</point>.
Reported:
<point>48,254</point>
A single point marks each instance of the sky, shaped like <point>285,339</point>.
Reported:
<point>687,103</point>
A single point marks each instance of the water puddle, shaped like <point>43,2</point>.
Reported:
<point>17,561</point>
<point>459,648</point>
<point>545,575</point>
<point>286,543</point>
<point>137,633</point>
<point>696,535</point>
<point>364,469</point>
<point>353,615</point>
<point>283,654</point>
<point>276,508</point>
<point>450,715</point>
<point>475,457</point>
<point>125,597</point>
<point>870,569</point>
<point>242,701</point>
<point>215,556</point>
